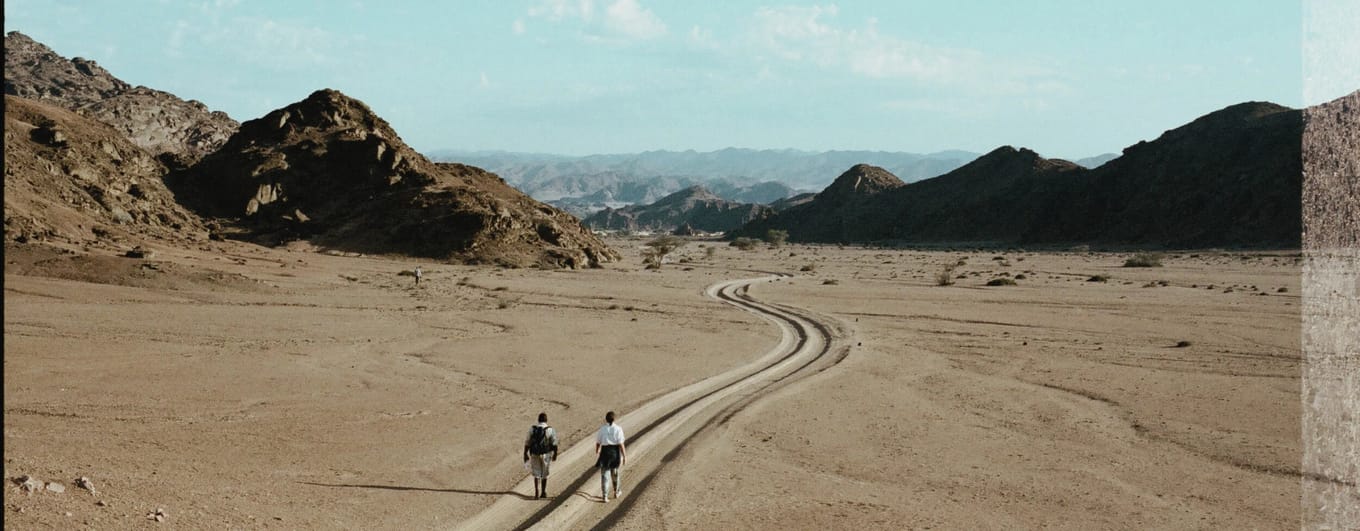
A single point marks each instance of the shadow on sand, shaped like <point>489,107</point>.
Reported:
<point>425,489</point>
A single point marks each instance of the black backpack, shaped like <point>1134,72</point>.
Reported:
<point>538,441</point>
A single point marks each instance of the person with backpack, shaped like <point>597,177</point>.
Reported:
<point>541,442</point>
<point>609,445</point>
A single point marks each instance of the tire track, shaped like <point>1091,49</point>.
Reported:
<point>666,424</point>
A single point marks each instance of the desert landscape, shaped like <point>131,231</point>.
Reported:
<point>243,386</point>
<point>300,321</point>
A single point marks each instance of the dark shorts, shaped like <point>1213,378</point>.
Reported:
<point>609,457</point>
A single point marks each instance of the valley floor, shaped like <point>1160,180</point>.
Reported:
<point>237,386</point>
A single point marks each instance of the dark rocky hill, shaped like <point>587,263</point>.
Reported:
<point>72,179</point>
<point>1229,178</point>
<point>329,170</point>
<point>694,207</point>
<point>157,121</point>
<point>845,211</point>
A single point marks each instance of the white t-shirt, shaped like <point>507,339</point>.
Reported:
<point>609,435</point>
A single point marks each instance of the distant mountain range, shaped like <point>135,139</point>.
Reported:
<point>695,207</point>
<point>584,185</point>
<point>1229,178</point>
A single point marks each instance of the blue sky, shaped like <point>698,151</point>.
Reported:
<point>1066,78</point>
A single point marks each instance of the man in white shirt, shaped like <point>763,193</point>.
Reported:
<point>538,445</point>
<point>612,455</point>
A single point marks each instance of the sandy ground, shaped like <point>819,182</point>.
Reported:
<point>242,387</point>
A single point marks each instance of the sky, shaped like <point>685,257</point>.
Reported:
<point>1067,78</point>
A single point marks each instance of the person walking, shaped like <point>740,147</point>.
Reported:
<point>612,455</point>
<point>417,275</point>
<point>538,445</point>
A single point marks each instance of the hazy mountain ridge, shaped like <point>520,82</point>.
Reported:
<point>737,174</point>
<point>694,207</point>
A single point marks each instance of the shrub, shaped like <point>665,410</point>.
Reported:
<point>1098,278</point>
<point>776,237</point>
<point>945,277</point>
<point>658,248</point>
<point>1144,260</point>
<point>1182,344</point>
<point>830,282</point>
<point>1021,276</point>
<point>1001,282</point>
<point>809,267</point>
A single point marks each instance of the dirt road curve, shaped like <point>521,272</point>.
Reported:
<point>657,429</point>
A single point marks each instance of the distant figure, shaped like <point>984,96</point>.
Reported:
<point>417,275</point>
<point>609,444</point>
<point>541,442</point>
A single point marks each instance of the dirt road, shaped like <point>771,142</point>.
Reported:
<point>659,428</point>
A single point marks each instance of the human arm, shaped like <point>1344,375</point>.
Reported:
<point>623,454</point>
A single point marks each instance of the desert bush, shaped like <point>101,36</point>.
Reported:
<point>744,243</point>
<point>1021,276</point>
<point>1001,282</point>
<point>830,282</point>
<point>1144,260</point>
<point>1182,344</point>
<point>776,237</point>
<point>945,277</point>
<point>1098,278</point>
<point>710,251</point>
<point>658,248</point>
<point>809,267</point>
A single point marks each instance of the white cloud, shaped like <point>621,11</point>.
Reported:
<point>484,82</point>
<point>518,26</point>
<point>628,18</point>
<point>812,35</point>
<point>563,9</point>
<point>806,34</point>
<point>702,38</point>
<point>623,19</point>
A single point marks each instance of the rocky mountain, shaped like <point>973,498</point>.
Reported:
<point>329,170</point>
<point>694,207</point>
<point>69,178</point>
<point>837,213</point>
<point>793,201</point>
<point>156,121</point>
<point>1229,178</point>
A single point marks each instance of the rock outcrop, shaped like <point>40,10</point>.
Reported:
<point>157,121</point>
<point>329,170</point>
<point>73,179</point>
